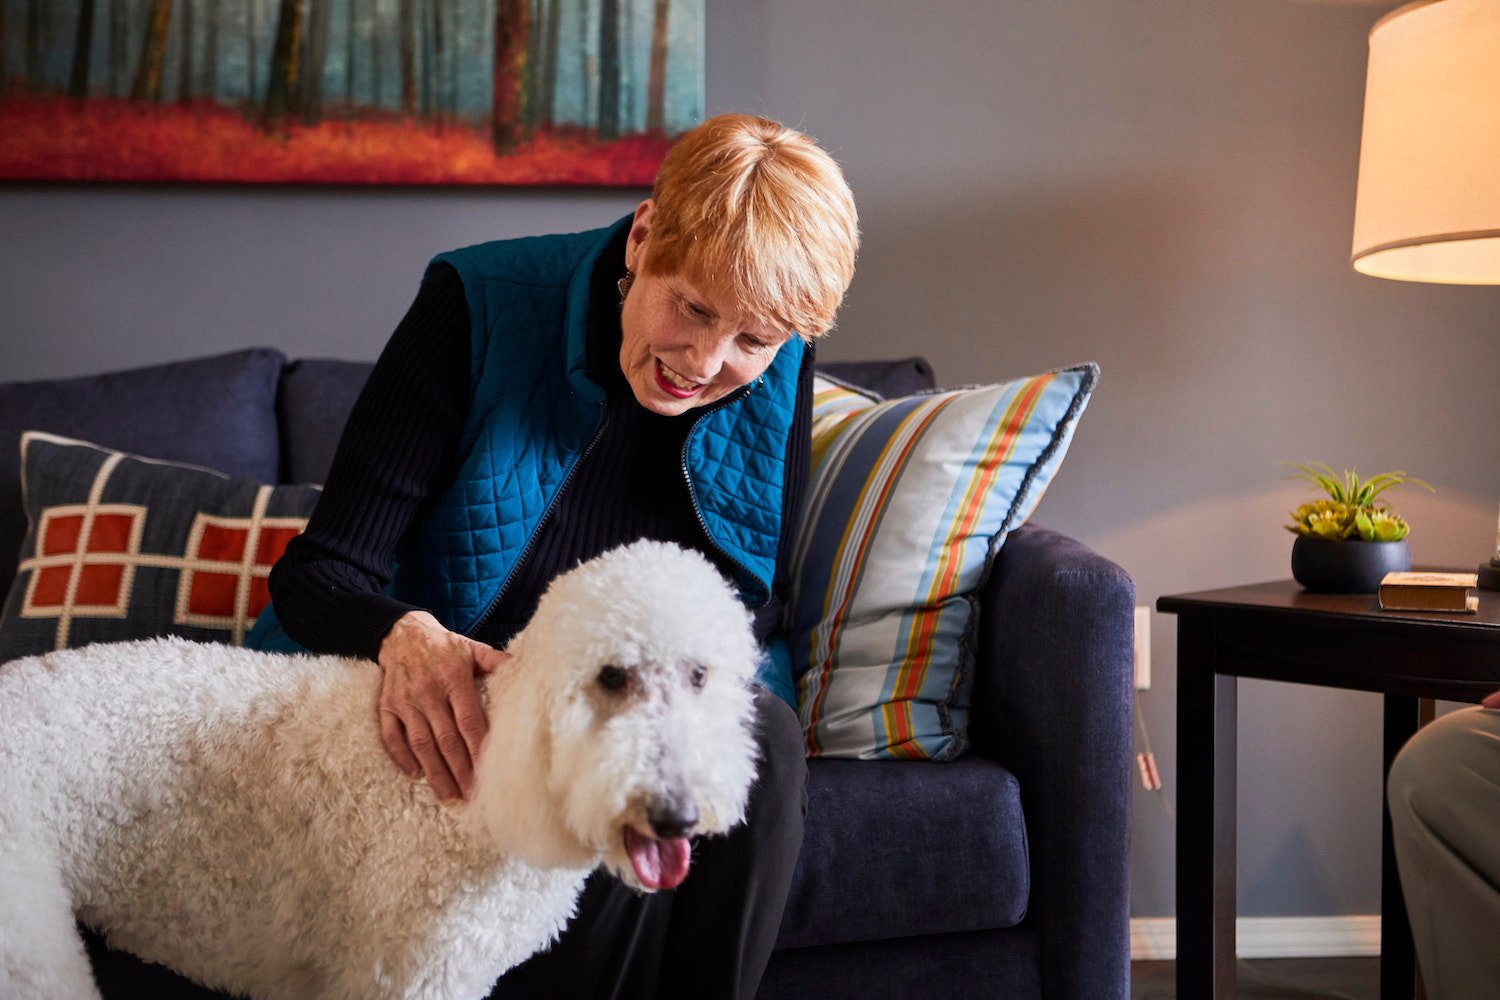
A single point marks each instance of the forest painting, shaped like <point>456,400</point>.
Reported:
<point>347,91</point>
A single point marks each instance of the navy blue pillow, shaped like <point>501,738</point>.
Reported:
<point>886,379</point>
<point>217,412</point>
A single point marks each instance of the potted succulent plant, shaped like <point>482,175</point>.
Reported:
<point>1347,542</point>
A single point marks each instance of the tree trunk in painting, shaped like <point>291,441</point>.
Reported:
<point>549,80</point>
<point>535,66</point>
<point>455,91</point>
<point>83,45</point>
<point>351,15</point>
<point>119,15</point>
<point>508,98</point>
<point>629,85</point>
<point>250,62</point>
<point>147,86</point>
<point>439,58</point>
<point>377,58</point>
<point>185,56</point>
<point>47,33</point>
<point>34,46</point>
<point>407,34</point>
<point>609,69</point>
<point>656,86</point>
<point>590,62</point>
<point>211,50</point>
<point>282,86</point>
<point>424,64</point>
<point>314,57</point>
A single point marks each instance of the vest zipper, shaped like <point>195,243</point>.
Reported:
<point>535,532</point>
<point>693,493</point>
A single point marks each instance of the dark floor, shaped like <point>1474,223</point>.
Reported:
<point>1273,979</point>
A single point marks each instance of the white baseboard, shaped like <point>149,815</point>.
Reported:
<point>1153,938</point>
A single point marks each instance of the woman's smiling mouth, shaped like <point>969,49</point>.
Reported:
<point>674,384</point>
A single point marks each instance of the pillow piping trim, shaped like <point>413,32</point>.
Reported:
<point>862,390</point>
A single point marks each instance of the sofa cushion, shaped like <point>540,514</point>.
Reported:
<point>974,965</point>
<point>218,412</point>
<point>898,848</point>
<point>311,409</point>
<point>120,547</point>
<point>908,503</point>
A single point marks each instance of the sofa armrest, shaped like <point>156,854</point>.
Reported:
<point>1052,703</point>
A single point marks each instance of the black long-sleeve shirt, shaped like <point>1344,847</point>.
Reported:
<point>399,452</point>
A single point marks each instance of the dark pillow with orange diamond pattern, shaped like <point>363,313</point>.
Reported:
<point>122,547</point>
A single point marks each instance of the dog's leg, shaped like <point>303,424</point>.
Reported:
<point>41,954</point>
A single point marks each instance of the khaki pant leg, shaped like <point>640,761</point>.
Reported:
<point>1445,811</point>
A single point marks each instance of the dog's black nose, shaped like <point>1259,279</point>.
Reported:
<point>672,819</point>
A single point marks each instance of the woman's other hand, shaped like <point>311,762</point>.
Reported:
<point>430,718</point>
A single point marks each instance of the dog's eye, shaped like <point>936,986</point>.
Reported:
<point>698,676</point>
<point>613,678</point>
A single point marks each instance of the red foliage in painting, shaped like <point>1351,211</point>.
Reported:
<point>52,138</point>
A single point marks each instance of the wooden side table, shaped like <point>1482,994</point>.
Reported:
<point>1277,631</point>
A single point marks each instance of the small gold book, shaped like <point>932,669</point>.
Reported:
<point>1429,592</point>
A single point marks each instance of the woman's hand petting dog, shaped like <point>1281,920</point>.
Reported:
<point>430,718</point>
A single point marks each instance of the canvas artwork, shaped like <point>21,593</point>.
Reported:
<point>580,92</point>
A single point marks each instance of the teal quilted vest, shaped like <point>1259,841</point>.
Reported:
<point>534,414</point>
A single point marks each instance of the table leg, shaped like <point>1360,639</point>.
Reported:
<point>1205,826</point>
<point>1398,966</point>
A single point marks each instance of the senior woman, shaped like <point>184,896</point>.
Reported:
<point>539,403</point>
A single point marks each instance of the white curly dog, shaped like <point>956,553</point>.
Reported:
<point>233,815</point>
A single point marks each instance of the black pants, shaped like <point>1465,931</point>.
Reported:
<point>711,937</point>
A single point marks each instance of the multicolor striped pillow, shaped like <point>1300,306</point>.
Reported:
<point>909,501</point>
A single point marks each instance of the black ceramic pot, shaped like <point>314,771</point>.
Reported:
<point>1348,567</point>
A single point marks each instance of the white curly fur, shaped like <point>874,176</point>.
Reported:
<point>232,814</point>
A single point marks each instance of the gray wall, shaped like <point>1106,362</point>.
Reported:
<point>1164,187</point>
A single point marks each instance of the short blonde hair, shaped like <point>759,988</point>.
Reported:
<point>760,213</point>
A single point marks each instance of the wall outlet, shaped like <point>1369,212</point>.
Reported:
<point>1143,647</point>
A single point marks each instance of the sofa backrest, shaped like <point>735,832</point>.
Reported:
<point>249,413</point>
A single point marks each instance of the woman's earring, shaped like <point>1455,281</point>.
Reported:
<point>626,280</point>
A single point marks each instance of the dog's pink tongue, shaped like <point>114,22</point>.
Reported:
<point>659,864</point>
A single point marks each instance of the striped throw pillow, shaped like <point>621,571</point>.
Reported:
<point>910,500</point>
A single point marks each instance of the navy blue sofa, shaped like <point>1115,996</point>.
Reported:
<point>1002,874</point>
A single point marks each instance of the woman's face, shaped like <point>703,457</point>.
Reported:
<point>683,346</point>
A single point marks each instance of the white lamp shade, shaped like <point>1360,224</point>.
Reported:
<point>1428,206</point>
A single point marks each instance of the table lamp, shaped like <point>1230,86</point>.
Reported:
<point>1428,203</point>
